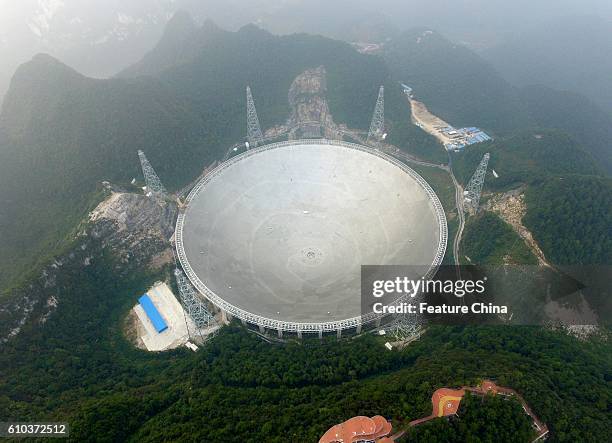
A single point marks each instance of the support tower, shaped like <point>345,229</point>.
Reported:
<point>254,135</point>
<point>405,327</point>
<point>377,127</point>
<point>474,187</point>
<point>195,308</point>
<point>153,184</point>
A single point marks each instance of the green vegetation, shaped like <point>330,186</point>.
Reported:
<point>490,418</point>
<point>65,133</point>
<point>78,367</point>
<point>568,214</point>
<point>490,240</point>
<point>571,218</point>
<point>573,113</point>
<point>442,185</point>
<point>62,133</point>
<point>525,157</point>
<point>454,82</point>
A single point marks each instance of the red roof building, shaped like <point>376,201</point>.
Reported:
<point>359,429</point>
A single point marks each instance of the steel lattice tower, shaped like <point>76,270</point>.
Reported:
<point>195,308</point>
<point>377,127</point>
<point>254,134</point>
<point>405,327</point>
<point>153,183</point>
<point>474,187</point>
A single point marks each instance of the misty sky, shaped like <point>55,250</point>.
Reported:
<point>101,37</point>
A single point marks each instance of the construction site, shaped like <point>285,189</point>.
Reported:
<point>453,139</point>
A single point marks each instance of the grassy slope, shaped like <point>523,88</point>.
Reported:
<point>443,186</point>
<point>568,204</point>
<point>524,157</point>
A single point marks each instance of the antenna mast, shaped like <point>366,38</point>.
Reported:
<point>406,327</point>
<point>153,184</point>
<point>474,187</point>
<point>254,134</point>
<point>377,127</point>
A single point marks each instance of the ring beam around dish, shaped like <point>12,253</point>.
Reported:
<point>276,236</point>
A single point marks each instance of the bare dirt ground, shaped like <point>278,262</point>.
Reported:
<point>427,121</point>
<point>163,258</point>
<point>307,98</point>
<point>133,330</point>
<point>510,206</point>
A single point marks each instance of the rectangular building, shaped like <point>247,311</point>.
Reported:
<point>147,305</point>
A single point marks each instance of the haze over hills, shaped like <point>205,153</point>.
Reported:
<point>187,94</point>
<point>100,38</point>
<point>460,86</point>
<point>574,113</point>
<point>454,81</point>
<point>64,132</point>
<point>573,54</point>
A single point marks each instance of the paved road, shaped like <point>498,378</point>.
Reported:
<point>460,213</point>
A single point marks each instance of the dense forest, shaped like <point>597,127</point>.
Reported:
<point>489,240</point>
<point>569,208</point>
<point>524,157</point>
<point>78,366</point>
<point>571,218</point>
<point>492,419</point>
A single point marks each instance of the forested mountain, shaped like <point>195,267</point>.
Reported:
<point>64,132</point>
<point>77,366</point>
<point>568,197</point>
<point>268,64</point>
<point>575,114</point>
<point>573,53</point>
<point>180,43</point>
<point>571,218</point>
<point>184,104</point>
<point>491,241</point>
<point>61,133</point>
<point>460,86</point>
<point>454,82</point>
<point>526,157</point>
